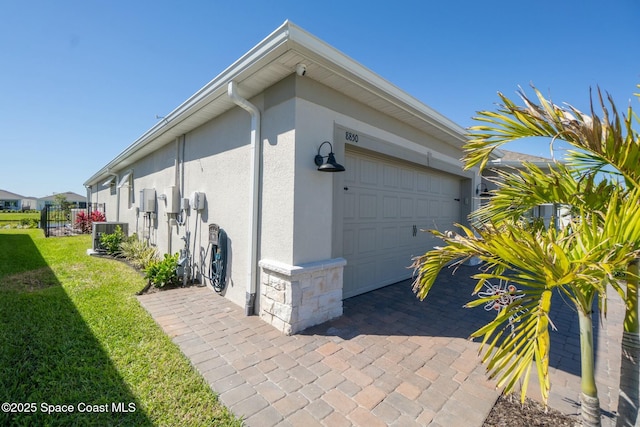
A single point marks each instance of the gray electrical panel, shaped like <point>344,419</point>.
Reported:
<point>147,200</point>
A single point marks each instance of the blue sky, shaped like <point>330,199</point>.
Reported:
<point>81,80</point>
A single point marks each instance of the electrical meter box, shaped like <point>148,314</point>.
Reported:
<point>173,200</point>
<point>197,201</point>
<point>147,200</point>
<point>214,232</point>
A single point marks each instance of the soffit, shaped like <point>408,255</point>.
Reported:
<point>269,62</point>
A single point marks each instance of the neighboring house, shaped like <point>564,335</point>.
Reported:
<point>75,200</point>
<point>29,203</point>
<point>299,240</point>
<point>10,201</point>
<point>509,160</point>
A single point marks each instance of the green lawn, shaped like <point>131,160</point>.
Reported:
<point>72,333</point>
<point>13,218</point>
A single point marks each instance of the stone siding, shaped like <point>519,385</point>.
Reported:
<point>294,298</point>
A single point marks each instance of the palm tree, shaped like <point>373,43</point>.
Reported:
<point>575,261</point>
<point>602,144</point>
<point>609,141</point>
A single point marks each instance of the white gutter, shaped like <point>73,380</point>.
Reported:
<point>252,284</point>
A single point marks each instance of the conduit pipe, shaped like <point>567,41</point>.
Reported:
<point>252,284</point>
<point>115,180</point>
<point>176,183</point>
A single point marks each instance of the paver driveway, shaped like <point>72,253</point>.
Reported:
<point>389,360</point>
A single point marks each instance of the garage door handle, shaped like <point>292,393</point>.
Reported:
<point>415,231</point>
<point>457,200</point>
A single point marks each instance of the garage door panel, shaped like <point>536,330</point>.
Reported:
<point>389,270</point>
<point>423,183</point>
<point>351,169</point>
<point>389,237</point>
<point>450,188</point>
<point>349,281</point>
<point>349,206</point>
<point>390,176</point>
<point>385,205</point>
<point>368,271</point>
<point>446,209</point>
<point>405,233</point>
<point>390,207</point>
<point>366,238</point>
<point>434,186</point>
<point>368,172</point>
<point>434,208</point>
<point>348,238</point>
<point>406,207</point>
<point>367,206</point>
<point>407,180</point>
<point>422,209</point>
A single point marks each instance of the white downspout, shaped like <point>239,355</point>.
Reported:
<point>115,177</point>
<point>252,284</point>
<point>87,188</point>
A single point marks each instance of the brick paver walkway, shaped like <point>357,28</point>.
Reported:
<point>389,360</point>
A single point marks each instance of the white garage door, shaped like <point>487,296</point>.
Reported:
<point>386,204</point>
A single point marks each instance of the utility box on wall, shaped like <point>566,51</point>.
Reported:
<point>173,200</point>
<point>197,201</point>
<point>148,200</point>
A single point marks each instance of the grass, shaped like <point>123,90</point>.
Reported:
<point>13,218</point>
<point>73,333</point>
<point>17,216</point>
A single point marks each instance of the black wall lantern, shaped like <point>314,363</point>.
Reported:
<point>482,189</point>
<point>331,165</point>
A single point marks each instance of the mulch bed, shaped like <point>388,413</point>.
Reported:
<point>508,412</point>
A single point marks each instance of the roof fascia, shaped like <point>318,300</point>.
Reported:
<point>217,86</point>
<point>288,36</point>
<point>341,64</point>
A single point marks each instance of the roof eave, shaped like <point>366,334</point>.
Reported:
<point>321,52</point>
<point>286,37</point>
<point>216,87</point>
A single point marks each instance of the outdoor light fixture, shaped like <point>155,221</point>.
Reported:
<point>331,165</point>
<point>482,189</point>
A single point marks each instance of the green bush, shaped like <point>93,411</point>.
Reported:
<point>111,242</point>
<point>138,252</point>
<point>29,223</point>
<point>163,272</point>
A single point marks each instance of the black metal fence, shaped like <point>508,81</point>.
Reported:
<point>56,220</point>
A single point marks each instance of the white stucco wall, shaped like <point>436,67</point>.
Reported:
<point>278,183</point>
<point>300,219</point>
<point>214,161</point>
<point>322,115</point>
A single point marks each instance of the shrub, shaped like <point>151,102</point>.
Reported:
<point>84,222</point>
<point>138,252</point>
<point>163,272</point>
<point>29,223</point>
<point>111,242</point>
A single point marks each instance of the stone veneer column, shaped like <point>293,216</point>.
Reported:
<point>293,298</point>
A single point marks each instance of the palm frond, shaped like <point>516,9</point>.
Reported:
<point>608,140</point>
<point>579,261</point>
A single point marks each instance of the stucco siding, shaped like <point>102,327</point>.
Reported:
<point>278,183</point>
<point>318,207</point>
<point>217,163</point>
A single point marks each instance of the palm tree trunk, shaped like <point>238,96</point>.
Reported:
<point>629,393</point>
<point>590,405</point>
